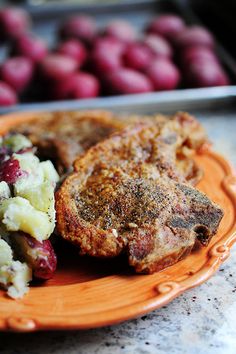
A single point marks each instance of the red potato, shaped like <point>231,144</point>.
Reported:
<point>13,22</point>
<point>103,62</point>
<point>194,36</point>
<point>78,85</point>
<point>109,45</point>
<point>79,27</point>
<point>163,74</point>
<point>17,72</point>
<point>61,89</point>
<point>8,96</point>
<point>40,256</point>
<point>158,45</point>
<point>205,74</point>
<point>74,49</point>
<point>166,25</point>
<point>45,262</point>
<point>121,30</point>
<point>197,53</point>
<point>85,85</point>
<point>4,151</point>
<point>127,81</point>
<point>57,67</point>
<point>10,171</point>
<point>31,47</point>
<point>137,56</point>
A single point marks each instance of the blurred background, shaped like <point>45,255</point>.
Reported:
<point>54,50</point>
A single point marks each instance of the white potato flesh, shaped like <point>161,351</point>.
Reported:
<point>49,171</point>
<point>18,214</point>
<point>17,142</point>
<point>29,163</point>
<point>29,207</point>
<point>40,197</point>
<point>15,277</point>
<point>4,190</point>
<point>6,255</point>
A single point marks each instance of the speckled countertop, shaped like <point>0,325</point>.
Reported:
<point>201,321</point>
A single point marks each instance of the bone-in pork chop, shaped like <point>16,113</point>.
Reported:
<point>126,195</point>
<point>180,135</point>
<point>62,136</point>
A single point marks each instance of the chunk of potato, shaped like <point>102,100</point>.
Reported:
<point>49,171</point>
<point>18,214</point>
<point>15,278</point>
<point>6,255</point>
<point>4,190</point>
<point>17,142</point>
<point>40,197</point>
<point>29,163</point>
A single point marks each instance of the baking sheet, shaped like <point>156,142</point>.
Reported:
<point>46,19</point>
<point>165,102</point>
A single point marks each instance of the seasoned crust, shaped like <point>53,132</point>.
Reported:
<point>62,136</point>
<point>126,194</point>
<point>185,136</point>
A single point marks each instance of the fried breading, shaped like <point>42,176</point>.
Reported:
<point>182,136</point>
<point>62,136</point>
<point>127,194</point>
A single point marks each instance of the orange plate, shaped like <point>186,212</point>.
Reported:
<point>86,293</point>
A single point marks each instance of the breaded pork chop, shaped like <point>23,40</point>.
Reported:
<point>124,197</point>
<point>62,136</point>
<point>180,136</point>
<point>192,138</point>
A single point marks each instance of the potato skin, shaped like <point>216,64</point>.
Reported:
<point>40,256</point>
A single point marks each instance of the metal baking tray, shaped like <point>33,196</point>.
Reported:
<point>217,98</point>
<point>139,13</point>
<point>215,12</point>
<point>50,4</point>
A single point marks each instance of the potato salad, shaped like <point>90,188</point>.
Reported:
<point>27,215</point>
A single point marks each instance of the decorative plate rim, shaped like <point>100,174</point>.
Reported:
<point>166,291</point>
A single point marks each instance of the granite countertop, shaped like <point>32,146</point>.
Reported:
<point>200,321</point>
